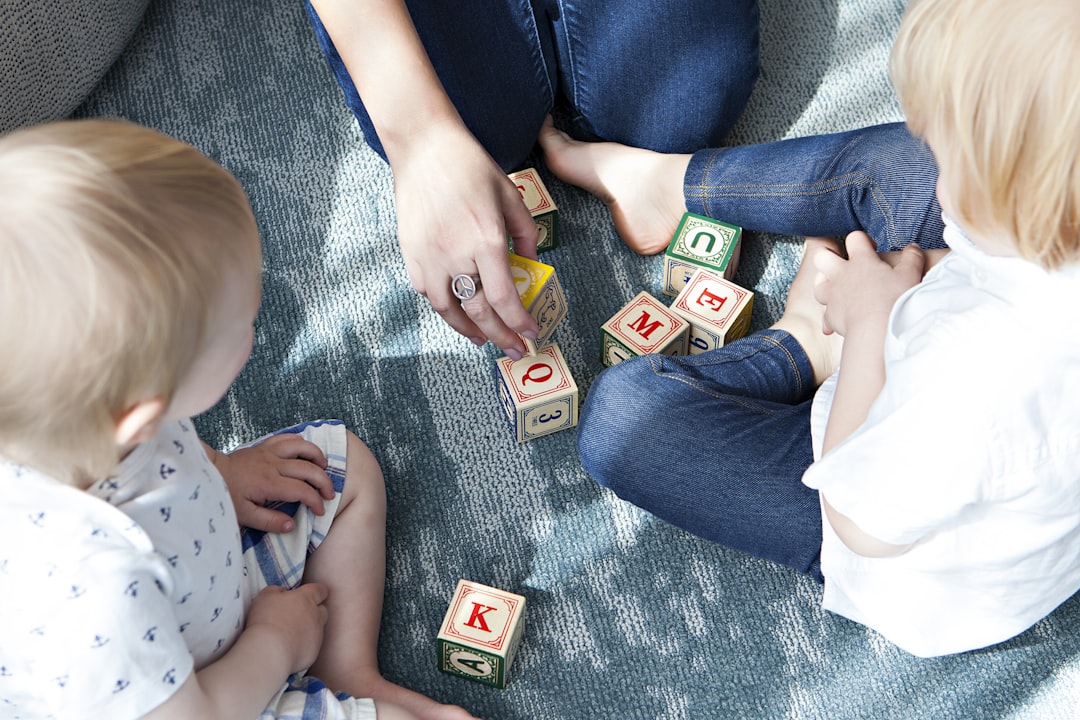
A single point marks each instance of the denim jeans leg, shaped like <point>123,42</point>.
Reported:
<point>495,61</point>
<point>715,443</point>
<point>667,75</point>
<point>878,179</point>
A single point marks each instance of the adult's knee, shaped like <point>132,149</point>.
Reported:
<point>618,423</point>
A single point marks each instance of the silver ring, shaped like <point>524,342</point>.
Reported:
<point>464,286</point>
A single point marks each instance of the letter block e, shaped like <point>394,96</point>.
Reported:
<point>480,633</point>
<point>718,311</point>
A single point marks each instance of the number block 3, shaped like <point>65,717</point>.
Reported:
<point>481,632</point>
<point>700,242</point>
<point>538,393</point>
<point>538,200</point>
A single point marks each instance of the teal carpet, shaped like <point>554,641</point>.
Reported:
<point>627,617</point>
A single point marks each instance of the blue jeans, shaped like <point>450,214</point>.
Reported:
<point>878,179</point>
<point>669,75</point>
<point>715,443</point>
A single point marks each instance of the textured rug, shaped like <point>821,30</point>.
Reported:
<point>627,617</point>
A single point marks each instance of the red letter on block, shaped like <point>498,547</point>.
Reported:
<point>642,325</point>
<point>478,617</point>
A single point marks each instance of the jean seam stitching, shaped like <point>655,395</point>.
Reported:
<point>705,193</point>
<point>657,369</point>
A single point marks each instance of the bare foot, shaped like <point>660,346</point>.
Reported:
<point>803,315</point>
<point>393,701</point>
<point>642,188</point>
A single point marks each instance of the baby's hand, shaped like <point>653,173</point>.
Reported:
<point>297,617</point>
<point>283,468</point>
<point>863,288</point>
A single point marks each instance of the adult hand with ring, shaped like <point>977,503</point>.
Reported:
<point>461,230</point>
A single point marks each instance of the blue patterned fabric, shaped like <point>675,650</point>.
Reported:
<point>627,618</point>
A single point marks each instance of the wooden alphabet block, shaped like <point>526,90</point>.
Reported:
<point>718,311</point>
<point>542,208</point>
<point>643,326</point>
<point>481,632</point>
<point>541,294</point>
<point>538,393</point>
<point>700,242</point>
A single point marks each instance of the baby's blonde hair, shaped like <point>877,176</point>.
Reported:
<point>113,244</point>
<point>992,85</point>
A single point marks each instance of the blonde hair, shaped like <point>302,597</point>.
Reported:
<point>113,242</point>
<point>992,85</point>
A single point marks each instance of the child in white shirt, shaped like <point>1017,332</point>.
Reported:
<point>130,278</point>
<point>933,481</point>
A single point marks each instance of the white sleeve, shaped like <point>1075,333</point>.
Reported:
<point>920,459</point>
<point>92,635</point>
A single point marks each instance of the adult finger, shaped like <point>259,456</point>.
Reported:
<point>497,309</point>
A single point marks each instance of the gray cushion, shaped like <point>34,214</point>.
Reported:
<point>53,53</point>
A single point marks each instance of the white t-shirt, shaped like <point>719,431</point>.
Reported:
<point>98,620</point>
<point>971,451</point>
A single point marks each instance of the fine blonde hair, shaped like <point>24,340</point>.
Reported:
<point>992,86</point>
<point>114,240</point>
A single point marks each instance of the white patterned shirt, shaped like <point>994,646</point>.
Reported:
<point>111,597</point>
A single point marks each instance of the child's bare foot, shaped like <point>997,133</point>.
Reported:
<point>803,315</point>
<point>642,188</point>
<point>393,701</point>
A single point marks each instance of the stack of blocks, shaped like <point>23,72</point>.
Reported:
<point>480,633</point>
<point>537,392</point>
<point>708,311</point>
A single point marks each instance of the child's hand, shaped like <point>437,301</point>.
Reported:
<point>863,288</point>
<point>283,468</point>
<point>297,616</point>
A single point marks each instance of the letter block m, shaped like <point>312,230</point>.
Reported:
<point>643,326</point>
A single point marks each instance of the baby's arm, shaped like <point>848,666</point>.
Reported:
<point>283,635</point>
<point>858,294</point>
<point>282,468</point>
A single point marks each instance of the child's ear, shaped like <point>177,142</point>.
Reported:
<point>139,422</point>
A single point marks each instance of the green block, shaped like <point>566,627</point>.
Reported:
<point>613,352</point>
<point>699,242</point>
<point>472,664</point>
<point>548,227</point>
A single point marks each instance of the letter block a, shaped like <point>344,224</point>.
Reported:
<point>700,242</point>
<point>538,200</point>
<point>718,311</point>
<point>538,393</point>
<point>481,633</point>
<point>541,294</point>
<point>641,327</point>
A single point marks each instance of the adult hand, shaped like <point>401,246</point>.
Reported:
<point>282,468</point>
<point>455,209</point>
<point>861,290</point>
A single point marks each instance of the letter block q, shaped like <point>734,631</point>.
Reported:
<point>538,393</point>
<point>481,633</point>
<point>538,200</point>
<point>700,242</point>
<point>718,311</point>
<point>643,326</point>
<point>542,296</point>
